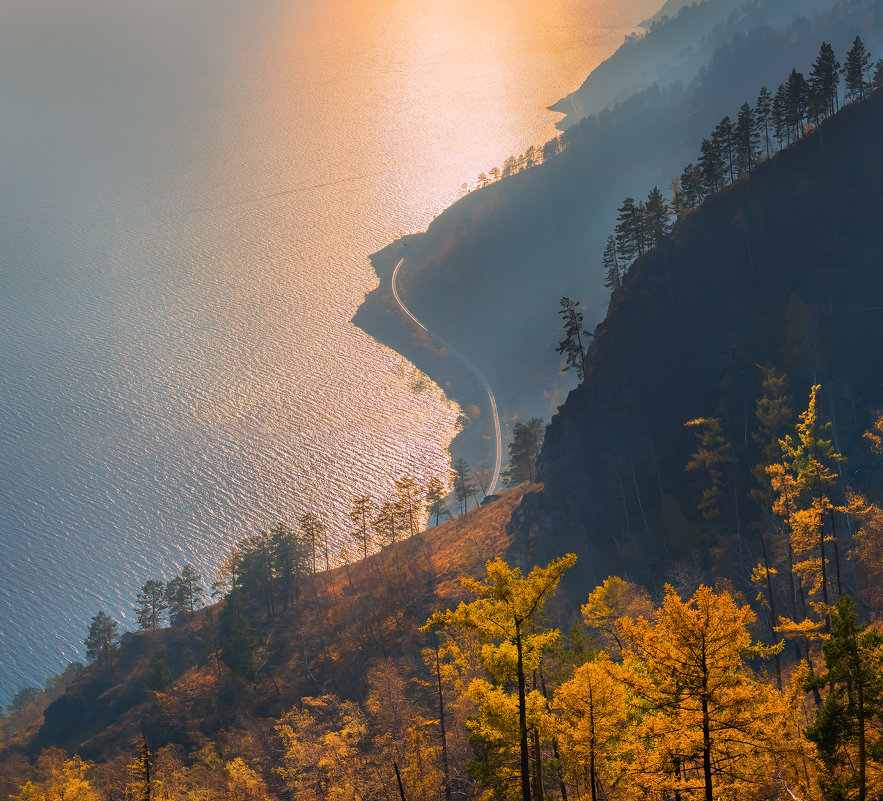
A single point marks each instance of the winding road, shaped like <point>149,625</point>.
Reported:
<point>498,462</point>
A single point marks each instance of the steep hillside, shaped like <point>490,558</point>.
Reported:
<point>783,269</point>
<point>169,685</point>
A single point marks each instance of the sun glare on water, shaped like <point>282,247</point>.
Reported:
<point>191,192</point>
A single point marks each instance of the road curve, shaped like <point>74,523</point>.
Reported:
<point>498,462</point>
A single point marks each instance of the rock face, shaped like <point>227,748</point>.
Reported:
<point>782,269</point>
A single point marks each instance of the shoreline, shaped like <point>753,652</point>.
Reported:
<point>381,318</point>
<point>496,475</point>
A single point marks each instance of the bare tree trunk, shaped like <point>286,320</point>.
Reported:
<point>522,718</point>
<point>638,494</point>
<point>441,718</point>
<point>592,771</point>
<point>772,605</point>
<point>561,784</point>
<point>538,767</point>
<point>836,553</point>
<point>625,508</point>
<point>399,780</point>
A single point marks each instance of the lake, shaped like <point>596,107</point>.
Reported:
<point>189,193</point>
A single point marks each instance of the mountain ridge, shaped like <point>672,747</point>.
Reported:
<point>780,268</point>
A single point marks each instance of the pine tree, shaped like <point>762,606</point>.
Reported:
<point>847,727</point>
<point>435,499</point>
<point>722,141</point>
<point>796,103</point>
<point>176,603</point>
<point>610,265</point>
<point>237,638</point>
<point>780,118</point>
<point>150,605</point>
<point>575,345</point>
<point>877,79</point>
<point>360,515</point>
<point>257,572</point>
<point>228,577</point>
<point>655,225</point>
<point>824,80</point>
<point>386,524</point>
<point>315,534</point>
<point>745,140</point>
<point>711,164</point>
<point>691,184</point>
<point>289,559</point>
<point>763,110</point>
<point>184,593</point>
<point>102,639</point>
<point>630,230</point>
<point>527,439</point>
<point>855,70</point>
<point>463,483</point>
<point>407,506</point>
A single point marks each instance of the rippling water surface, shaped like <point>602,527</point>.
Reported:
<point>189,191</point>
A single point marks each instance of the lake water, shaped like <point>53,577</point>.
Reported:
<point>189,192</point>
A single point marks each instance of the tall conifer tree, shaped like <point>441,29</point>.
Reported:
<point>103,638</point>
<point>824,80</point>
<point>762,114</point>
<point>655,225</point>
<point>855,70</point>
<point>575,345</point>
<point>630,230</point>
<point>151,604</point>
<point>610,265</point>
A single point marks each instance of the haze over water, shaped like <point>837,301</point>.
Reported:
<point>189,192</point>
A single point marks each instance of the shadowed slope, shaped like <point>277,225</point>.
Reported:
<point>784,269</point>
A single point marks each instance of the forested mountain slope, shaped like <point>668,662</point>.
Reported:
<point>783,269</point>
<point>682,39</point>
<point>191,681</point>
<point>488,273</point>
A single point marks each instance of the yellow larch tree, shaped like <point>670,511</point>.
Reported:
<point>807,460</point>
<point>762,577</point>
<point>709,728</point>
<point>784,489</point>
<point>325,751</point>
<point>62,779</point>
<point>608,603</point>
<point>712,453</point>
<point>244,783</point>
<point>774,413</point>
<point>868,541</point>
<point>593,732</point>
<point>420,773</point>
<point>874,437</point>
<point>868,538</point>
<point>455,662</point>
<point>504,616</point>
